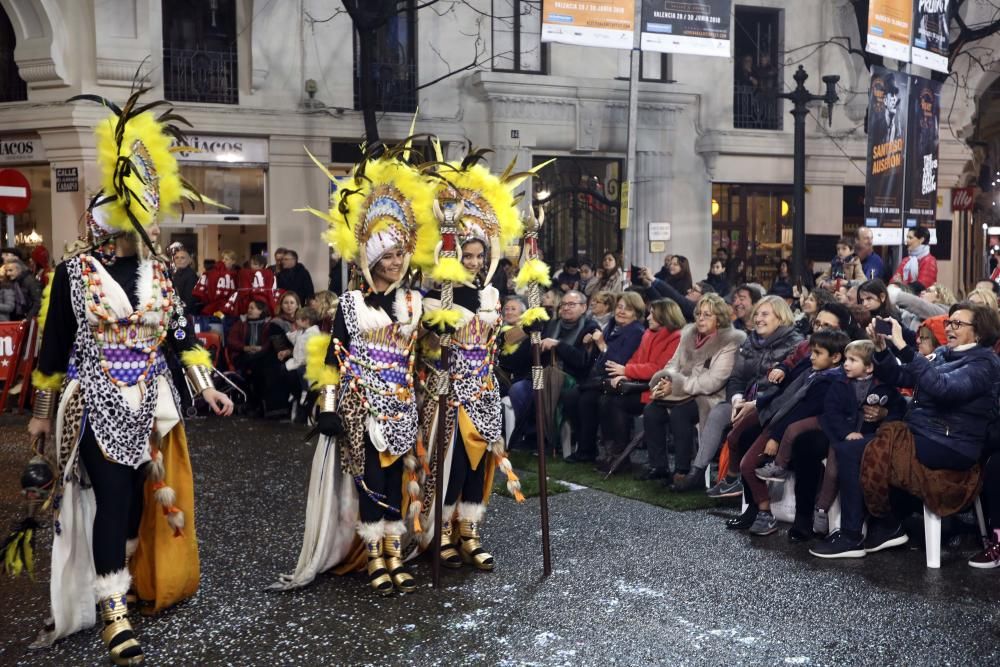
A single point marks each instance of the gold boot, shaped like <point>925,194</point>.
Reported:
<point>114,612</point>
<point>392,547</point>
<point>450,557</point>
<point>378,575</point>
<point>471,548</point>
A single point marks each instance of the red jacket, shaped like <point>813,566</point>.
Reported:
<point>215,287</point>
<point>655,349</point>
<point>259,284</point>
<point>926,270</point>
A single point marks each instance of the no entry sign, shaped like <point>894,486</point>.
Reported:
<point>15,192</point>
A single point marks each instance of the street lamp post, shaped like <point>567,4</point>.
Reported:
<point>801,98</point>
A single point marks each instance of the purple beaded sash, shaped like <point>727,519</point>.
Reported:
<point>127,363</point>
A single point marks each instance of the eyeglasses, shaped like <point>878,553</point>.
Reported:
<point>572,303</point>
<point>957,324</point>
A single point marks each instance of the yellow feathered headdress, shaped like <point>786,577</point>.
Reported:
<point>140,177</point>
<point>489,211</point>
<point>384,203</point>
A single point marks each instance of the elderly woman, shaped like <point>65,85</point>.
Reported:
<point>934,452</point>
<point>692,383</point>
<point>617,343</point>
<point>602,307</point>
<point>628,384</point>
<point>812,302</point>
<point>773,338</point>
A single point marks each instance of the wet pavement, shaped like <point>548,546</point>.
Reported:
<point>633,584</point>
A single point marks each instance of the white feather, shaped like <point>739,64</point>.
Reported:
<point>165,496</point>
<point>115,583</point>
<point>375,433</point>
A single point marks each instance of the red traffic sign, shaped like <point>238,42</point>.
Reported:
<point>15,192</point>
<point>963,199</point>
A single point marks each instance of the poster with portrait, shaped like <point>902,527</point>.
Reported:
<point>887,136</point>
<point>923,135</point>
<point>889,27</point>
<point>601,23</point>
<point>695,27</point>
<point>931,19</point>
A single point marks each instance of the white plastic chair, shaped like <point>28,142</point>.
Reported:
<point>932,533</point>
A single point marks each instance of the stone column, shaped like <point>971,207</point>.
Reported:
<point>70,147</point>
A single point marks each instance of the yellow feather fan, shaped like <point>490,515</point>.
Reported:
<point>439,318</point>
<point>533,271</point>
<point>318,372</point>
<point>450,269</point>
<point>533,315</point>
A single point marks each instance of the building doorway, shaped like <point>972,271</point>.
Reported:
<point>754,223</point>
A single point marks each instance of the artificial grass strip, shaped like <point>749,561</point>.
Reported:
<point>529,485</point>
<point>621,484</point>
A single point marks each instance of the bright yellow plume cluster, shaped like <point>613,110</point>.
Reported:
<point>440,318</point>
<point>318,373</point>
<point>196,356</point>
<point>43,382</point>
<point>533,271</point>
<point>477,181</point>
<point>450,269</point>
<point>533,315</point>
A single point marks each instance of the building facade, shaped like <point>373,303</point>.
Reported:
<point>261,80</point>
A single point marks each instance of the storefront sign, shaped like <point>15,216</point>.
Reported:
<point>604,23</point>
<point>889,24</point>
<point>21,149</point>
<point>67,179</point>
<point>887,136</point>
<point>920,193</point>
<point>699,27</point>
<point>963,199</point>
<point>931,19</point>
<point>237,150</point>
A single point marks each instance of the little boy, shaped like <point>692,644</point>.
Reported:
<point>306,326</point>
<point>844,266</point>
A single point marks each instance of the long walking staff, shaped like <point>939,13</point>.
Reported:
<point>446,220</point>
<point>535,274</point>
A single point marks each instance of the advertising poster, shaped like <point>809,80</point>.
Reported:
<point>889,23</point>
<point>696,27</point>
<point>931,19</point>
<point>921,162</point>
<point>887,107</point>
<point>602,23</point>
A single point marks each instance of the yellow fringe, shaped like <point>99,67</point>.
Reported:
<point>440,318</point>
<point>450,269</point>
<point>318,373</point>
<point>533,271</point>
<point>196,356</point>
<point>53,382</point>
<point>43,312</point>
<point>533,315</point>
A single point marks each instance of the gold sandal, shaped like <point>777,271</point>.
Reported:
<point>378,575</point>
<point>403,580</point>
<point>114,613</point>
<point>471,548</point>
<point>449,554</point>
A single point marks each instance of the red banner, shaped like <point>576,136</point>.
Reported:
<point>963,199</point>
<point>10,338</point>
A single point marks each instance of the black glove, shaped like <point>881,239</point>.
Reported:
<point>330,424</point>
<point>537,325</point>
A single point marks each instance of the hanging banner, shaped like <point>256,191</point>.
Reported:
<point>697,27</point>
<point>889,23</point>
<point>602,23</point>
<point>887,105</point>
<point>931,19</point>
<point>920,199</point>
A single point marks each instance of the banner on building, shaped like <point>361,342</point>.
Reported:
<point>603,23</point>
<point>889,27</point>
<point>921,161</point>
<point>931,19</point>
<point>697,27</point>
<point>887,136</point>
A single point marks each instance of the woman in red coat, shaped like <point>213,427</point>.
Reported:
<point>628,386</point>
<point>919,268</point>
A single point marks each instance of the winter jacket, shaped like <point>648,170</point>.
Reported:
<point>6,302</point>
<point>514,358</point>
<point>954,394</point>
<point>614,283</point>
<point>574,359</point>
<point>215,287</point>
<point>27,294</point>
<point>802,398</point>
<point>241,334</point>
<point>298,280</point>
<point>757,357</point>
<point>622,343</point>
<point>842,411</point>
<point>926,270</point>
<point>655,349</point>
<point>701,372</point>
<point>719,284</point>
<point>873,267</point>
<point>851,271</point>
<point>300,338</point>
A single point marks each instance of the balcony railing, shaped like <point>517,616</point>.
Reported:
<point>12,86</point>
<point>395,86</point>
<point>199,75</point>
<point>754,109</point>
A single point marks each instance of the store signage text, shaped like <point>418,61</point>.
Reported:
<point>21,149</point>
<point>224,149</point>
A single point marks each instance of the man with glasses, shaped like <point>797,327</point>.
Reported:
<point>567,335</point>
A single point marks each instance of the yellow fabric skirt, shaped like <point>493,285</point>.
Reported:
<point>165,567</point>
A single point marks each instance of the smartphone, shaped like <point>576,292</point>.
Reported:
<point>635,273</point>
<point>883,326</point>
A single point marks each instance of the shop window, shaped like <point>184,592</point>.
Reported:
<point>12,86</point>
<point>393,63</point>
<point>199,51</point>
<point>757,72</point>
<point>240,189</point>
<point>517,37</point>
<point>753,222</point>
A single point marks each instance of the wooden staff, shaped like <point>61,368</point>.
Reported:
<point>532,227</point>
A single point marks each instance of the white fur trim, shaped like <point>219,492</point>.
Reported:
<point>371,532</point>
<point>156,471</point>
<point>165,496</point>
<point>115,583</point>
<point>413,488</point>
<point>130,547</point>
<point>448,512</point>
<point>369,318</point>
<point>410,462</point>
<point>471,511</point>
<point>376,435</point>
<point>489,305</point>
<point>402,311</point>
<point>176,520</point>
<point>395,528</point>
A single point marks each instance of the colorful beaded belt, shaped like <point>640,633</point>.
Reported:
<point>125,364</point>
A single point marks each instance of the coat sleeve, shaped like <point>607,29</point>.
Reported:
<point>836,419</point>
<point>644,370</point>
<point>34,289</point>
<point>714,379</point>
<point>666,291</point>
<point>890,371</point>
<point>60,326</point>
<point>7,303</point>
<point>959,384</point>
<point>811,405</point>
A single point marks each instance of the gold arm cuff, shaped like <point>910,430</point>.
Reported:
<point>45,404</point>
<point>328,398</point>
<point>200,378</point>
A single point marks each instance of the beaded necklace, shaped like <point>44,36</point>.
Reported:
<point>125,331</point>
<point>358,385</point>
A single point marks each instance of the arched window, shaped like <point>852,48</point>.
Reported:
<point>12,86</point>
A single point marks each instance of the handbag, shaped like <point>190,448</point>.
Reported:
<point>625,387</point>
